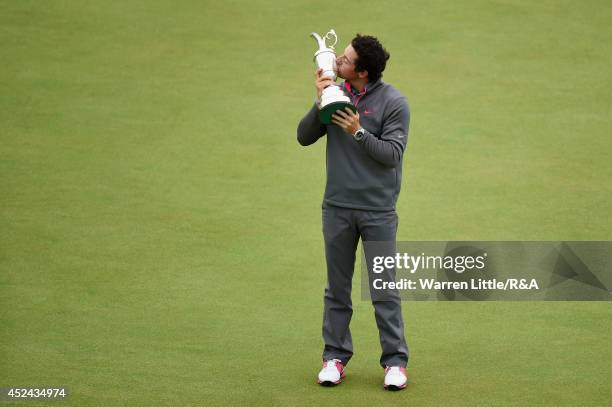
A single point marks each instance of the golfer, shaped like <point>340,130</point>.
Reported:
<point>364,173</point>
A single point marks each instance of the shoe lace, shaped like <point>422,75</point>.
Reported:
<point>332,363</point>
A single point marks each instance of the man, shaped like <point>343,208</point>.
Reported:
<point>364,170</point>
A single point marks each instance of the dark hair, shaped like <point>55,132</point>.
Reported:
<point>371,56</point>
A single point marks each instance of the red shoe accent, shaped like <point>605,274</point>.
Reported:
<point>402,369</point>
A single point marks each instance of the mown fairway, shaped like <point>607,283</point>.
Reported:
<point>160,232</point>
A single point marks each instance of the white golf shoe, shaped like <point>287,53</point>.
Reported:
<point>332,373</point>
<point>395,378</point>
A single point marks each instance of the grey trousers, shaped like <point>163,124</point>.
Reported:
<point>342,228</point>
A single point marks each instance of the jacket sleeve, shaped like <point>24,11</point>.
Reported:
<point>388,149</point>
<point>310,128</point>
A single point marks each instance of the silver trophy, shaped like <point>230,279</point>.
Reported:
<point>332,97</point>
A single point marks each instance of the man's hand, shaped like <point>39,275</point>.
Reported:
<point>322,82</point>
<point>347,120</point>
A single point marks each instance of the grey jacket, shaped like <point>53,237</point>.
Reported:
<point>366,174</point>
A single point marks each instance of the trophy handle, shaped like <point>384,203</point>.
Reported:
<point>319,40</point>
<point>328,37</point>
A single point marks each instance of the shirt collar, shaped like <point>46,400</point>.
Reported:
<point>369,87</point>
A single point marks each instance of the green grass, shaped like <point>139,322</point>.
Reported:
<point>160,225</point>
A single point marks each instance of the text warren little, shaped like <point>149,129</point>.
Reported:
<point>471,284</point>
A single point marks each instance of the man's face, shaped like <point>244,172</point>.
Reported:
<point>346,64</point>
